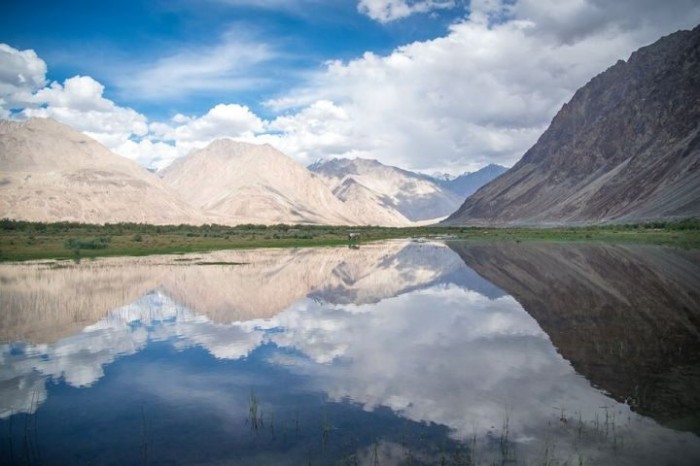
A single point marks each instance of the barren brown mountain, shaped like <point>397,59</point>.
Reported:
<point>625,148</point>
<point>249,183</point>
<point>50,172</point>
<point>369,183</point>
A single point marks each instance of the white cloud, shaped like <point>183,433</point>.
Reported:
<point>574,20</point>
<point>385,11</point>
<point>484,92</point>
<point>228,65</point>
<point>481,94</point>
<point>80,103</point>
<point>420,104</point>
<point>168,141</point>
<point>320,130</point>
<point>21,73</point>
<point>223,120</point>
<point>152,154</point>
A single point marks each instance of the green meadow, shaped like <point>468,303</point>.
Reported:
<point>20,240</point>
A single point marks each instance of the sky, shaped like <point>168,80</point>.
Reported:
<point>427,85</point>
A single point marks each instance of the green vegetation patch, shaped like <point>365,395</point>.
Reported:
<point>20,240</point>
<point>94,243</point>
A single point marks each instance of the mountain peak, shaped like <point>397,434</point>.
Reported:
<point>232,147</point>
<point>251,183</point>
<point>412,195</point>
<point>468,182</point>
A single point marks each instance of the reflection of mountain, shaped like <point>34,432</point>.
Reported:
<point>42,303</point>
<point>389,326</point>
<point>626,317</point>
<point>414,266</point>
<point>80,317</point>
<point>273,279</point>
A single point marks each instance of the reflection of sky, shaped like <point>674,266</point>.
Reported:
<point>442,353</point>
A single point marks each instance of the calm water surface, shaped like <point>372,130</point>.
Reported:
<point>394,353</point>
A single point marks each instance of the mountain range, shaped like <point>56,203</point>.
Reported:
<point>468,183</point>
<point>50,172</point>
<point>625,148</point>
<point>414,196</point>
<point>248,183</point>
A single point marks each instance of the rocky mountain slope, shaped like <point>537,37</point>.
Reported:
<point>625,148</point>
<point>468,183</point>
<point>248,183</point>
<point>49,173</point>
<point>414,196</point>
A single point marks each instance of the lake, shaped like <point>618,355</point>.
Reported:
<point>401,352</point>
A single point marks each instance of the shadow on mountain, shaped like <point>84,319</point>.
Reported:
<point>627,317</point>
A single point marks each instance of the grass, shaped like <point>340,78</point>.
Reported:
<point>21,240</point>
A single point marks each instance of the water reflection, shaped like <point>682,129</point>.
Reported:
<point>393,353</point>
<point>626,317</point>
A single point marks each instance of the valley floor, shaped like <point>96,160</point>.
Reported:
<point>21,241</point>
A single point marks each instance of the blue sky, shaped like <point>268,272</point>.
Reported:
<point>429,85</point>
<point>108,40</point>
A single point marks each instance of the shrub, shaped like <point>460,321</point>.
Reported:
<point>92,243</point>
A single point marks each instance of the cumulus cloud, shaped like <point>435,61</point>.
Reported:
<point>223,120</point>
<point>79,103</point>
<point>323,129</point>
<point>574,20</point>
<point>21,73</point>
<point>485,91</point>
<point>482,93</point>
<point>151,154</point>
<point>385,11</point>
<point>167,141</point>
<point>420,104</point>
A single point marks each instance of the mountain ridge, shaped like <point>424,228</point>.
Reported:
<point>625,148</point>
<point>468,183</point>
<point>415,196</point>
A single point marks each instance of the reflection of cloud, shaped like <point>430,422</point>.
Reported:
<point>80,358</point>
<point>453,357</point>
<point>222,341</point>
<point>633,329</point>
<point>284,277</point>
<point>426,352</point>
<point>440,354</point>
<point>21,393</point>
<point>42,304</point>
